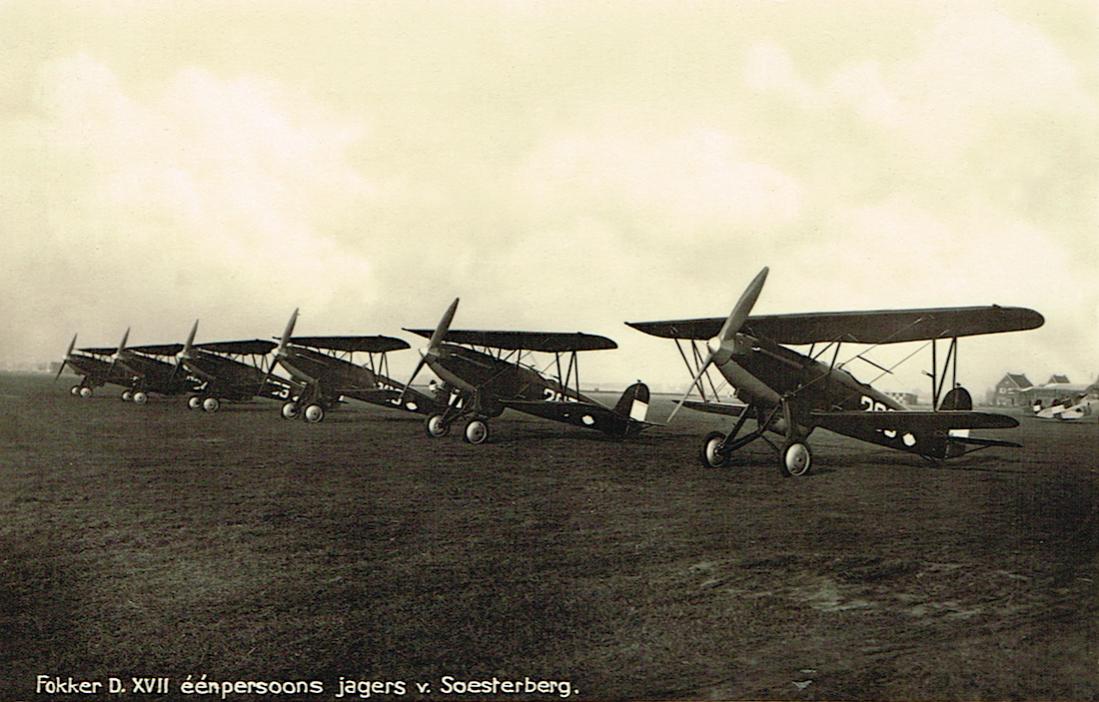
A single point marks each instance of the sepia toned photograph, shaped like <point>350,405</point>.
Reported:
<point>535,350</point>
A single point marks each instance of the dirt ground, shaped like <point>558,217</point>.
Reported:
<point>157,541</point>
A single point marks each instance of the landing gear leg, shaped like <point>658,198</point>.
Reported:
<point>717,448</point>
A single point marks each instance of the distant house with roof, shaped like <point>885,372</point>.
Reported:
<point>1057,378</point>
<point>1007,391</point>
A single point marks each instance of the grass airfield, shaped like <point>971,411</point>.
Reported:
<point>157,541</point>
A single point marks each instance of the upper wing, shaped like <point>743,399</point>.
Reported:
<point>524,340</point>
<point>157,349</point>
<point>369,344</point>
<point>257,347</point>
<point>870,327</point>
<point>912,421</point>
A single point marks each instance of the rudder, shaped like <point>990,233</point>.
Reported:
<point>634,403</point>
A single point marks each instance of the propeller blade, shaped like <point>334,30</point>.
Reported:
<point>694,383</point>
<point>443,327</point>
<point>122,344</point>
<point>432,345</point>
<point>743,306</point>
<point>287,332</point>
<point>729,330</point>
<point>419,367</point>
<point>65,360</point>
<point>187,345</point>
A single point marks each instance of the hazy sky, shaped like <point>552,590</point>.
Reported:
<point>558,165</point>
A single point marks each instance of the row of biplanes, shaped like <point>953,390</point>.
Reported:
<point>481,373</point>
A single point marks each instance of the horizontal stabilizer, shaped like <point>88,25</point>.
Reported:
<point>588,415</point>
<point>974,441</point>
<point>726,408</point>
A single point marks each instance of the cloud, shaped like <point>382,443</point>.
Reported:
<point>199,196</point>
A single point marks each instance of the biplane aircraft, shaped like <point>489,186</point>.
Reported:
<point>97,372</point>
<point>323,370</point>
<point>1075,402</point>
<point>236,371</point>
<point>792,393</point>
<point>138,369</point>
<point>484,373</point>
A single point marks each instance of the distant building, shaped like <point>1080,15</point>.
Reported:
<point>1057,378</point>
<point>1006,393</point>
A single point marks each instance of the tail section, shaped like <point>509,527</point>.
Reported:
<point>634,403</point>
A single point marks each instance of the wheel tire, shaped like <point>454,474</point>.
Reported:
<point>436,427</point>
<point>75,391</point>
<point>140,398</point>
<point>85,392</point>
<point>476,432</point>
<point>708,454</point>
<point>314,414</point>
<point>127,396</point>
<point>194,402</point>
<point>796,459</point>
<point>289,410</point>
<point>211,404</point>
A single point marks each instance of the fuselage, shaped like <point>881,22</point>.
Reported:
<point>764,373</point>
<point>489,379</point>
<point>228,377</point>
<point>97,372</point>
<point>155,375</point>
<point>325,371</point>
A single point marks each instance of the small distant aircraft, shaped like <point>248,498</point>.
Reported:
<point>323,368</point>
<point>226,373</point>
<point>792,394</point>
<point>486,374</point>
<point>97,372</point>
<point>137,369</point>
<point>1076,403</point>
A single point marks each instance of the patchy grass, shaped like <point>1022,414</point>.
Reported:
<point>157,541</point>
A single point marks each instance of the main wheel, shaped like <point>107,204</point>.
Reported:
<point>127,395</point>
<point>85,392</point>
<point>436,426</point>
<point>709,454</point>
<point>289,410</point>
<point>796,459</point>
<point>140,398</point>
<point>194,402</point>
<point>75,391</point>
<point>476,432</point>
<point>314,413</point>
<point>211,404</point>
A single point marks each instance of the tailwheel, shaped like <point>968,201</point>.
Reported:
<point>85,392</point>
<point>289,410</point>
<point>476,432</point>
<point>140,397</point>
<point>74,390</point>
<point>796,459</point>
<point>314,413</point>
<point>211,404</point>
<point>436,427</point>
<point>127,395</point>
<point>710,453</point>
<point>194,402</point>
